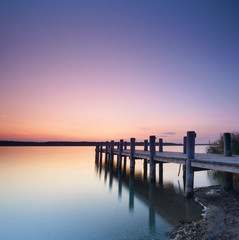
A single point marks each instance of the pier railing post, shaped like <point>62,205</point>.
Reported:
<point>120,153</point>
<point>112,144</point>
<point>152,162</point>
<point>146,144</point>
<point>161,164</point>
<point>189,171</point>
<point>160,145</point>
<point>228,177</point>
<point>101,150</point>
<point>125,147</point>
<point>132,152</point>
<point>184,166</point>
<point>97,152</point>
<point>184,145</point>
<point>106,150</point>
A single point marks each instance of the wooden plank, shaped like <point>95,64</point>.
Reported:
<point>202,160</point>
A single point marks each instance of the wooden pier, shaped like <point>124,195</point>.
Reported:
<point>188,158</point>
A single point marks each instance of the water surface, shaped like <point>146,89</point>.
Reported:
<point>60,193</point>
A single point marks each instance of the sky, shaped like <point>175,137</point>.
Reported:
<point>103,70</point>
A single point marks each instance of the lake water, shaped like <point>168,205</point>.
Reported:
<point>59,193</point>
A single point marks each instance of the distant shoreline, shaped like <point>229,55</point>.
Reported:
<point>66,143</point>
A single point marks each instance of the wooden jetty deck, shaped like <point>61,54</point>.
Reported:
<point>189,159</point>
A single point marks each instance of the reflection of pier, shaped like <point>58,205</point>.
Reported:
<point>165,202</point>
<point>191,162</point>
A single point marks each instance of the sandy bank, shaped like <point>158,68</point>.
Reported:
<point>221,217</point>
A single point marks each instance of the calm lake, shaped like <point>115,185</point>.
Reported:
<point>51,193</point>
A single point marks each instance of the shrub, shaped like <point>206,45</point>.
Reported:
<point>217,147</point>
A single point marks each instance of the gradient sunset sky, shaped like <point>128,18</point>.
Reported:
<point>102,70</point>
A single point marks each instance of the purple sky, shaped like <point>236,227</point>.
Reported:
<point>101,70</point>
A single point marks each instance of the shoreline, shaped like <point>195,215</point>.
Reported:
<point>220,217</point>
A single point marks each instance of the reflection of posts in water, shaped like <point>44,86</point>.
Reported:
<point>100,168</point>
<point>145,172</point>
<point>151,209</point>
<point>111,177</point>
<point>119,184</point>
<point>152,162</point>
<point>120,153</point>
<point>106,172</point>
<point>131,192</point>
<point>112,143</point>
<point>97,167</point>
<point>132,152</point>
<point>161,174</point>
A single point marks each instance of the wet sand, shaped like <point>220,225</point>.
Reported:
<point>220,219</point>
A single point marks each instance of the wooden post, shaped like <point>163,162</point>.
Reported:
<point>184,166</point>
<point>189,171</point>
<point>112,144</point>
<point>106,150</point>
<point>146,144</point>
<point>184,145</point>
<point>101,149</point>
<point>120,153</point>
<point>152,153</point>
<point>125,147</point>
<point>161,164</point>
<point>160,145</point>
<point>228,177</point>
<point>97,153</point>
<point>132,151</point>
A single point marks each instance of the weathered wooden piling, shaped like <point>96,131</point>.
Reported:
<point>101,150</point>
<point>161,164</point>
<point>184,166</point>
<point>152,162</point>
<point>125,158</point>
<point>189,171</point>
<point>132,152</point>
<point>146,143</point>
<point>106,150</point>
<point>228,177</point>
<point>184,145</point>
<point>120,153</point>
<point>160,145</point>
<point>112,144</point>
<point>97,153</point>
